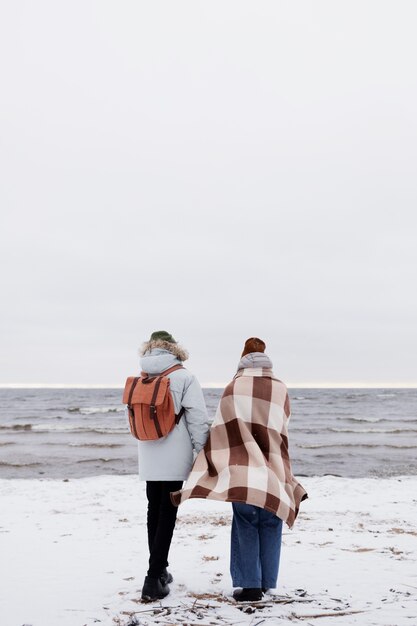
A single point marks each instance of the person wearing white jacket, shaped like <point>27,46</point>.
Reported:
<point>165,463</point>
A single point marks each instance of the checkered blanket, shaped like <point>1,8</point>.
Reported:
<point>246,455</point>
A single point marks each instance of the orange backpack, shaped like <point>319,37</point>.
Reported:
<point>150,405</point>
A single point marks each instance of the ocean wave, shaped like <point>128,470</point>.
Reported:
<point>91,410</point>
<point>102,459</point>
<point>373,430</point>
<point>69,428</point>
<point>366,419</point>
<point>95,445</point>
<point>6,464</point>
<point>66,428</point>
<point>308,431</point>
<point>315,446</point>
<point>376,420</point>
<point>386,395</point>
<point>356,396</point>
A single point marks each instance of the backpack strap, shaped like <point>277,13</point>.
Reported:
<point>172,369</point>
<point>179,416</point>
<point>132,389</point>
<point>152,407</point>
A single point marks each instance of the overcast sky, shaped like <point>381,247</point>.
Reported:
<point>217,169</point>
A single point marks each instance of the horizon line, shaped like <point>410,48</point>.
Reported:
<point>217,385</point>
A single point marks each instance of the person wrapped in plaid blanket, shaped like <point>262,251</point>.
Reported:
<point>246,461</point>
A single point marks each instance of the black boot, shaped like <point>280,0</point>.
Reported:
<point>248,595</point>
<point>166,577</point>
<point>153,589</point>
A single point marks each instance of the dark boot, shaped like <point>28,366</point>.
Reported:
<point>248,595</point>
<point>166,577</point>
<point>153,590</point>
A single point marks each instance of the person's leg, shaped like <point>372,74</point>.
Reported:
<point>153,588</point>
<point>245,565</point>
<point>161,539</point>
<point>270,533</point>
<point>153,493</point>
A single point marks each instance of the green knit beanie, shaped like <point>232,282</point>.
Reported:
<point>163,336</point>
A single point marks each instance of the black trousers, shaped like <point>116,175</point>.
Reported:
<point>161,521</point>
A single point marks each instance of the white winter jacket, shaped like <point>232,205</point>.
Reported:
<point>171,457</point>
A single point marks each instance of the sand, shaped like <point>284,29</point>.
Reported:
<point>74,553</point>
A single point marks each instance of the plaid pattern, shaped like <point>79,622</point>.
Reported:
<point>246,455</point>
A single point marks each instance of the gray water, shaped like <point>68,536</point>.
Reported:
<point>65,433</point>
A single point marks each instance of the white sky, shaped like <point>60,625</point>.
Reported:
<point>218,169</point>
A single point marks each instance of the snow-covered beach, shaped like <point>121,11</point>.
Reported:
<point>74,553</point>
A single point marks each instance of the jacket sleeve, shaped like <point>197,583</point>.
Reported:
<point>195,413</point>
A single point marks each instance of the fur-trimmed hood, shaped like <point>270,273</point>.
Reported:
<point>174,348</point>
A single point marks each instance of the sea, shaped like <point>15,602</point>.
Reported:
<point>73,433</point>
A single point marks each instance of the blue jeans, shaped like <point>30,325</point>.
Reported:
<point>255,547</point>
